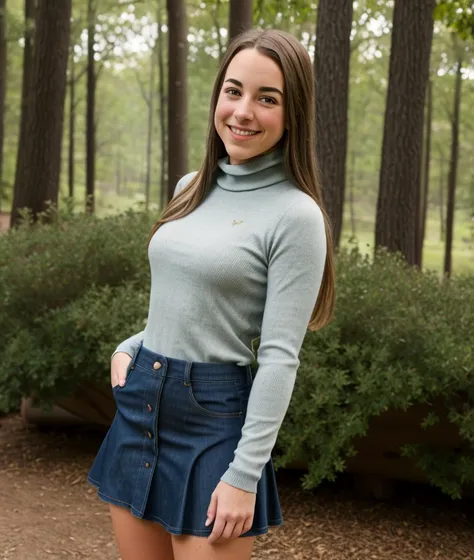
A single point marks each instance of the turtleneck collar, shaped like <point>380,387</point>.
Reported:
<point>259,172</point>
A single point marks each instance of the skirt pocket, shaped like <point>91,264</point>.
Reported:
<point>220,399</point>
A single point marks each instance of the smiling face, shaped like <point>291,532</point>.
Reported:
<point>249,116</point>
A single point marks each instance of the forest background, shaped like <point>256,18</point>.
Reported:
<point>130,108</point>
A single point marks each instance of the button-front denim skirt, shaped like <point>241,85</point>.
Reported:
<point>174,434</point>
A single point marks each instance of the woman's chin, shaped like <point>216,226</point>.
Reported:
<point>239,156</point>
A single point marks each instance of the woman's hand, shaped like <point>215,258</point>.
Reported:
<point>233,510</point>
<point>118,368</point>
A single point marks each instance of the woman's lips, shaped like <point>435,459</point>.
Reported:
<point>242,136</point>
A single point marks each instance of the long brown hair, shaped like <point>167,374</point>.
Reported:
<point>298,144</point>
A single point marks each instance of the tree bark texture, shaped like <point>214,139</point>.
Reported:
<point>3,85</point>
<point>331,64</point>
<point>426,174</point>
<point>90,111</point>
<point>150,104</point>
<point>162,110</point>
<point>453,167</point>
<point>72,125</point>
<point>240,17</point>
<point>26,100</point>
<point>44,128</point>
<point>177,93</point>
<point>397,205</point>
<point>441,198</point>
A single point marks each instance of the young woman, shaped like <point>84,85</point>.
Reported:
<point>242,251</point>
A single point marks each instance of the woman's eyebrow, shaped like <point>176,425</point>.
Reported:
<point>263,89</point>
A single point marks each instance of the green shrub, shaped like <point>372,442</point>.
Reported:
<point>399,337</point>
<point>71,344</point>
<point>46,266</point>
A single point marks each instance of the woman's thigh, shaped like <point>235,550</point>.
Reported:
<point>140,539</point>
<point>186,547</point>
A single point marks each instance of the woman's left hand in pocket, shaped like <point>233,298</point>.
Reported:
<point>232,511</point>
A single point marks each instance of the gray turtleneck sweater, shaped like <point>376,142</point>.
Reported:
<point>247,262</point>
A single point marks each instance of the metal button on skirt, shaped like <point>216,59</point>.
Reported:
<point>174,434</point>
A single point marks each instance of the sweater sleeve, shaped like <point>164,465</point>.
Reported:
<point>296,263</point>
<point>130,345</point>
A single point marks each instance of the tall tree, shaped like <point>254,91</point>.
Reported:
<point>148,97</point>
<point>90,111</point>
<point>46,111</point>
<point>240,17</point>
<point>425,175</point>
<point>73,78</point>
<point>73,102</point>
<point>162,109</point>
<point>26,101</point>
<point>215,18</point>
<point>453,166</point>
<point>331,64</point>
<point>151,97</point>
<point>397,220</point>
<point>177,93</point>
<point>3,85</point>
<point>72,122</point>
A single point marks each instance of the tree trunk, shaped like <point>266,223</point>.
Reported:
<point>46,111</point>
<point>162,110</point>
<point>441,198</point>
<point>397,210</point>
<point>426,175</point>
<point>331,64</point>
<point>215,16</point>
<point>151,96</point>
<point>72,122</point>
<point>26,101</point>
<point>90,114</point>
<point>177,93</point>
<point>453,166</point>
<point>118,175</point>
<point>240,17</point>
<point>352,205</point>
<point>3,85</point>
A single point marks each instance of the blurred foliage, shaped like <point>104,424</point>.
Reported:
<point>457,15</point>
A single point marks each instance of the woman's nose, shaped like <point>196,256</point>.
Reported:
<point>243,111</point>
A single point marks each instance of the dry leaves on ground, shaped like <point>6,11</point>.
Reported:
<point>50,512</point>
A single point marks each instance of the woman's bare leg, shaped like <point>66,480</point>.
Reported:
<point>140,539</point>
<point>186,547</point>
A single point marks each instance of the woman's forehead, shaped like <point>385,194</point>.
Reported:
<point>252,68</point>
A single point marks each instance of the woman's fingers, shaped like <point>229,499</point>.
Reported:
<point>118,368</point>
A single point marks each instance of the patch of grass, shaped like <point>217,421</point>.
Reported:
<point>433,250</point>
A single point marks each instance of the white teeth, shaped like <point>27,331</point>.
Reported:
<point>243,132</point>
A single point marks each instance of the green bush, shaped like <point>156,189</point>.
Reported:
<point>46,269</point>
<point>46,266</point>
<point>71,344</point>
<point>399,337</point>
<point>73,290</point>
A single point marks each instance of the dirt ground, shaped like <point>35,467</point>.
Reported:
<point>49,511</point>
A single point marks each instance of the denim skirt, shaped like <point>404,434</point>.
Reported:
<point>173,436</point>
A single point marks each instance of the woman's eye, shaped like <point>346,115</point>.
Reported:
<point>269,100</point>
<point>232,91</point>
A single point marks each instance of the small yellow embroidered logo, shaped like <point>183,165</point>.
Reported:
<point>236,223</point>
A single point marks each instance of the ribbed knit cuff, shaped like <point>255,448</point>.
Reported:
<point>240,480</point>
